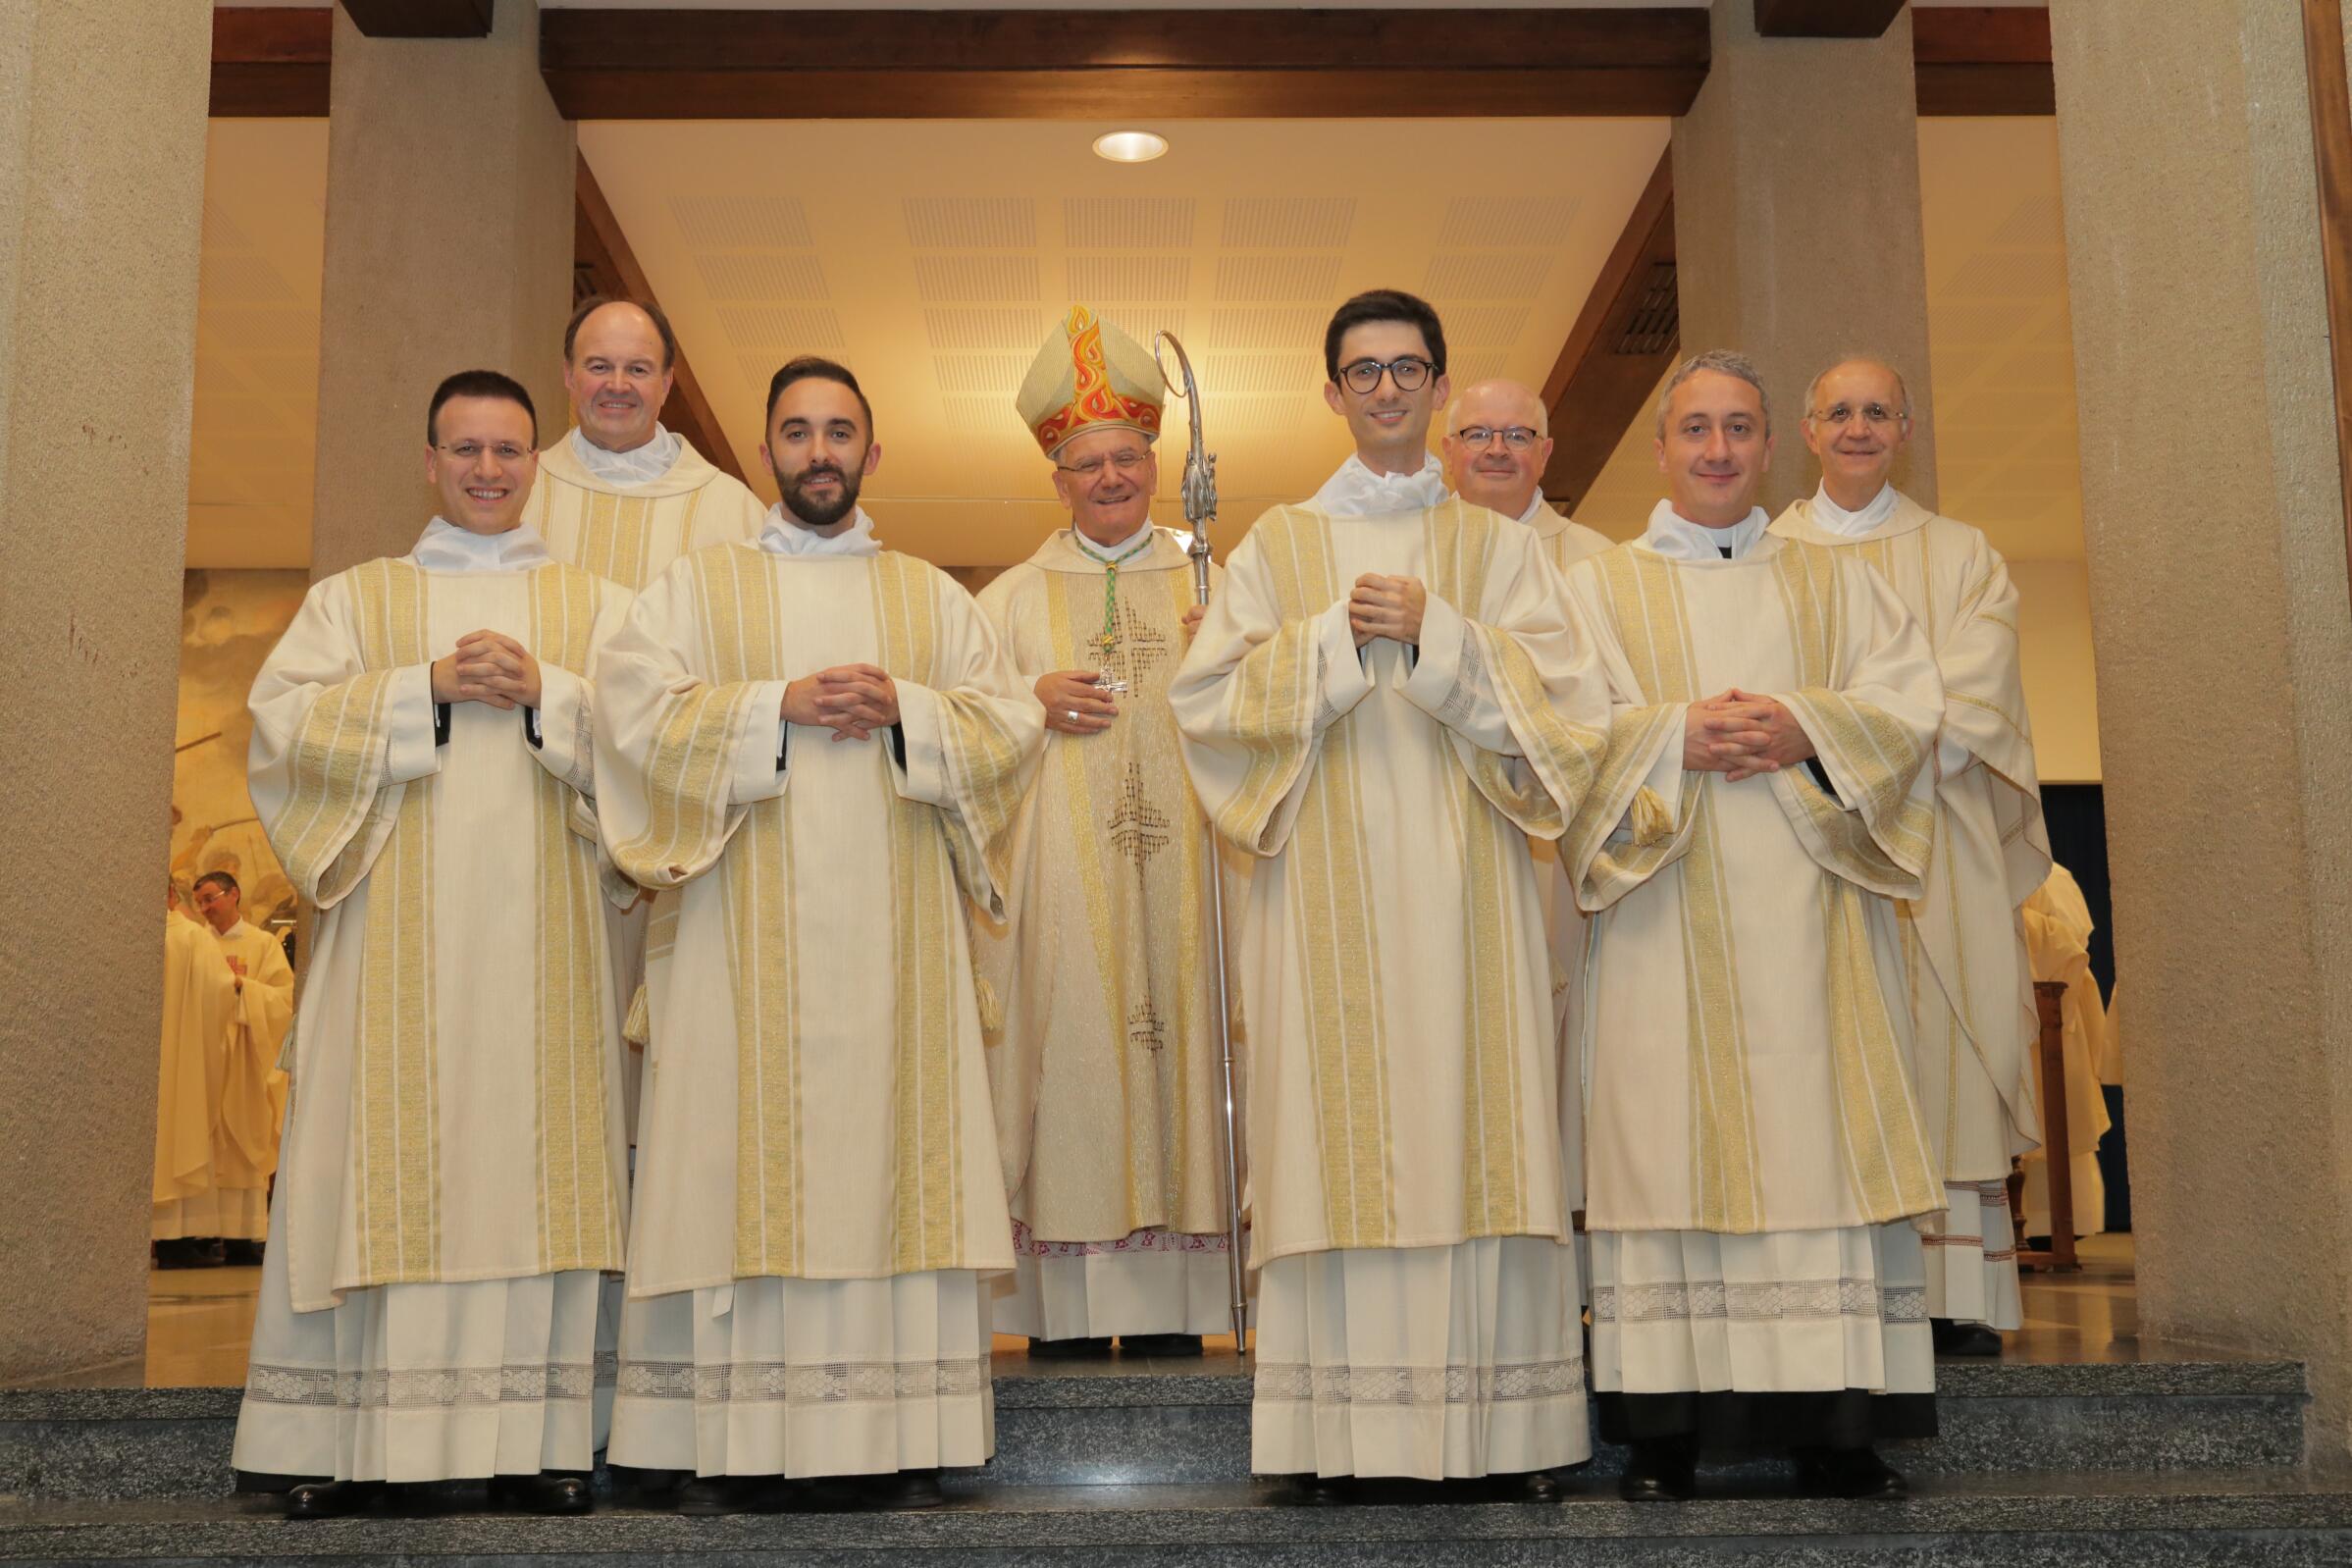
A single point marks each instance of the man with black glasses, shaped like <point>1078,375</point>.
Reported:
<point>1384,353</point>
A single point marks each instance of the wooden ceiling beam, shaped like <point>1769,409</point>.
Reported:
<point>1825,18</point>
<point>1623,341</point>
<point>420,18</point>
<point>1983,60</point>
<point>603,264</point>
<point>648,63</point>
<point>270,62</point>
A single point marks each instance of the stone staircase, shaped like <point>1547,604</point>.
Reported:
<point>2185,1459</point>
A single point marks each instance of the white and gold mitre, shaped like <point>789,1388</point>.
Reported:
<point>1089,375</point>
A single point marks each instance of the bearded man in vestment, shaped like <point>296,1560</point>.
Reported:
<point>1107,1071</point>
<point>1966,974</point>
<point>819,744</point>
<point>1755,1151</point>
<point>451,1190</point>
<point>252,1089</point>
<point>1382,710</point>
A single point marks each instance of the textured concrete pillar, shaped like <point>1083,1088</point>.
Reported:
<point>101,196</point>
<point>2213,514</point>
<point>450,207</point>
<point>1797,223</point>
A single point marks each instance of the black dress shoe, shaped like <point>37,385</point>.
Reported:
<point>710,1496</point>
<point>549,1491</point>
<point>642,1484</point>
<point>1069,1349</point>
<point>1525,1485</point>
<point>243,1254</point>
<point>333,1499</point>
<point>1847,1473</point>
<point>1159,1344</point>
<point>903,1488</point>
<point>1962,1338</point>
<point>1659,1470</point>
<point>1319,1491</point>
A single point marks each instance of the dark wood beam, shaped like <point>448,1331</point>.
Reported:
<point>1983,60</point>
<point>2331,149</point>
<point>421,19</point>
<point>270,62</point>
<point>603,264</point>
<point>1825,18</point>
<point>1622,342</point>
<point>645,63</point>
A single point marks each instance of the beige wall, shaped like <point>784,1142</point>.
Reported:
<point>2054,631</point>
<point>101,185</point>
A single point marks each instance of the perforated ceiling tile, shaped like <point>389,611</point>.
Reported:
<point>1145,321</point>
<point>1266,330</point>
<point>991,375</point>
<point>1143,223</point>
<point>738,221</point>
<point>1467,370</point>
<point>1476,221</point>
<point>970,223</point>
<point>221,233</point>
<point>982,330</point>
<point>1288,222</point>
<point>1483,326</point>
<point>982,415</point>
<point>1293,375</point>
<point>1244,279</point>
<point>762,275</point>
<point>961,280</point>
<point>1127,278</point>
<point>794,329</point>
<point>2034,223</point>
<point>1484,275</point>
<point>234,279</point>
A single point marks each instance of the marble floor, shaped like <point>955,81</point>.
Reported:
<point>200,1321</point>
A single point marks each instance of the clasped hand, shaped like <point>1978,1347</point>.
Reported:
<point>1385,607</point>
<point>1075,704</point>
<point>487,667</point>
<point>853,701</point>
<point>1739,735</point>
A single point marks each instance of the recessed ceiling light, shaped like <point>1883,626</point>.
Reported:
<point>1129,146</point>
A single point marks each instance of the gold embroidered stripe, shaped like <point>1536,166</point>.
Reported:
<point>1876,763</point>
<point>1634,737</point>
<point>1272,711</point>
<point>338,771</point>
<point>1886,1145</point>
<point>1494,1161</point>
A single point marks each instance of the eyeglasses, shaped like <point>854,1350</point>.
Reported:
<point>470,452</point>
<point>1125,462</point>
<point>1518,438</point>
<point>1876,415</point>
<point>1410,372</point>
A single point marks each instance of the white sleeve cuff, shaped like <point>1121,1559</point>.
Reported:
<point>1344,680</point>
<point>410,753</point>
<point>1437,662</point>
<point>925,777</point>
<point>756,775</point>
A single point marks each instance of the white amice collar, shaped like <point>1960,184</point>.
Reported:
<point>447,547</point>
<point>1535,507</point>
<point>784,536</point>
<point>1355,490</point>
<point>1832,518</point>
<point>1093,551</point>
<point>639,465</point>
<point>1672,535</point>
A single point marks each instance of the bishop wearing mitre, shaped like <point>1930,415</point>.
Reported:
<point>820,744</point>
<point>1108,1066</point>
<point>450,1191</point>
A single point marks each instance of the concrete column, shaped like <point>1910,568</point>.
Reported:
<point>1797,223</point>
<point>101,197</point>
<point>2213,515</point>
<point>450,207</point>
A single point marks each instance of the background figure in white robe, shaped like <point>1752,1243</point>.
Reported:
<point>452,1186</point>
<point>624,497</point>
<point>1496,445</point>
<point>199,1011</point>
<point>1383,709</point>
<point>2057,934</point>
<point>252,1087</point>
<point>820,746</point>
<point>1107,1069</point>
<point>1755,1152</point>
<point>1969,989</point>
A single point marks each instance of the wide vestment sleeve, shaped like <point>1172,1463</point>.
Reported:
<point>336,741</point>
<point>678,756</point>
<point>1256,692</point>
<point>1985,716</point>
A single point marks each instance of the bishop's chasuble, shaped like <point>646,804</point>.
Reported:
<point>1966,978</point>
<point>819,1185</point>
<point>1107,1071</point>
<point>1417,1310</point>
<point>253,1090</point>
<point>1754,1147</point>
<point>199,1011</point>
<point>626,516</point>
<point>451,1181</point>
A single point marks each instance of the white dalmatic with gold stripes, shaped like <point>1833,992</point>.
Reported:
<point>451,1182</point>
<point>1967,979</point>
<point>627,516</point>
<point>1108,1069</point>
<point>1416,1311</point>
<point>818,1190</point>
<point>1755,1151</point>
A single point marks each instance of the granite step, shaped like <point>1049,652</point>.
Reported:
<point>1188,1423</point>
<point>2144,1519</point>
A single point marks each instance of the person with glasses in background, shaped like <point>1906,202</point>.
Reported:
<point>450,1193</point>
<point>1969,975</point>
<point>1385,356</point>
<point>1107,1068</point>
